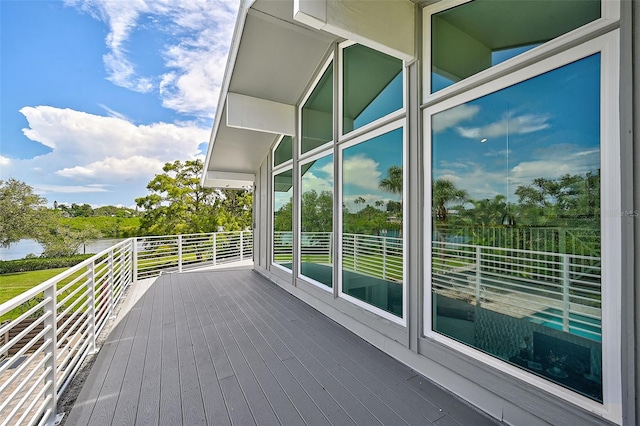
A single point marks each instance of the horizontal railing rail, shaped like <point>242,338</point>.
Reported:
<point>50,329</point>
<point>558,290</point>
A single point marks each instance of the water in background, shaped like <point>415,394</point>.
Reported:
<point>22,248</point>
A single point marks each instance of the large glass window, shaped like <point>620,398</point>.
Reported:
<point>372,86</point>
<point>283,151</point>
<point>515,250</point>
<point>372,239</point>
<point>283,218</point>
<point>482,33</point>
<point>317,114</point>
<point>316,220</point>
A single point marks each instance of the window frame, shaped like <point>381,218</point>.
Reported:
<point>328,62</point>
<point>318,155</point>
<point>400,123</point>
<point>287,165</point>
<point>608,47</point>
<point>391,117</point>
<point>609,17</point>
<point>273,154</point>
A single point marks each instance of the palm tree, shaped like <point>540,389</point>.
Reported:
<point>445,192</point>
<point>393,182</point>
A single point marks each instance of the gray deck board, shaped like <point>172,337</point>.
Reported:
<point>230,348</point>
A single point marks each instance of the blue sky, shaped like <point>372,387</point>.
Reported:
<point>553,122</point>
<point>96,95</point>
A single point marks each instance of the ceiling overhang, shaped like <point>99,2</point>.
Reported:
<point>275,54</point>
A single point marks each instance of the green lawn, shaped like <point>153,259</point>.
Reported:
<point>16,283</point>
<point>12,285</point>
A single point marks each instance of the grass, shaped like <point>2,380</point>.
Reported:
<point>14,284</point>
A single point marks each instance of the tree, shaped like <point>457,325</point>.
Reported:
<point>179,204</point>
<point>317,211</point>
<point>59,240</point>
<point>393,182</point>
<point>569,200</point>
<point>444,193</point>
<point>20,210</point>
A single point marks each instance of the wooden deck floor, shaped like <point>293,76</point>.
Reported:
<point>231,348</point>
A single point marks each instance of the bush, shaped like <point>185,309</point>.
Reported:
<point>39,263</point>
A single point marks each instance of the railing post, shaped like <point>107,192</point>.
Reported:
<point>52,324</point>
<point>384,258</point>
<point>215,254</point>
<point>179,253</point>
<point>478,274</point>
<point>92,307</point>
<point>111,283</point>
<point>355,252</point>
<point>135,259</point>
<point>241,245</point>
<point>566,283</point>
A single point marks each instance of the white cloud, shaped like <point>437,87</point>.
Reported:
<point>522,124</point>
<point>361,171</point>
<point>4,161</point>
<point>78,138</point>
<point>311,182</point>
<point>114,168</point>
<point>66,189</point>
<point>199,35</point>
<point>451,117</point>
<point>96,154</point>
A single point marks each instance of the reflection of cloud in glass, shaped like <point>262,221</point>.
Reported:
<point>481,180</point>
<point>362,171</point>
<point>282,198</point>
<point>451,117</point>
<point>563,159</point>
<point>527,123</point>
<point>312,182</point>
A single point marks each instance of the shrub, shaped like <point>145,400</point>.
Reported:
<point>39,263</point>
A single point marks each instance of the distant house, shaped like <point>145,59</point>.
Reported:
<point>516,115</point>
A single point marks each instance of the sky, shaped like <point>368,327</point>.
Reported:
<point>96,95</point>
<point>544,127</point>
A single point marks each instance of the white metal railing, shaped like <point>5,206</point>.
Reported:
<point>184,252</point>
<point>52,327</point>
<point>558,290</point>
<point>372,255</point>
<point>580,241</point>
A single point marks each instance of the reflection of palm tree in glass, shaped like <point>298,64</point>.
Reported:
<point>393,182</point>
<point>359,201</point>
<point>445,192</point>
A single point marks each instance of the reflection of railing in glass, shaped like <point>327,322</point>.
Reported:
<point>371,255</point>
<point>556,290</point>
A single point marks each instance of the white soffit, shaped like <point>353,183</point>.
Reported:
<point>384,25</point>
<point>273,59</point>
<point>229,180</point>
<point>246,112</point>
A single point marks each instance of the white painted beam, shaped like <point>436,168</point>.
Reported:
<point>384,25</point>
<point>246,112</point>
<point>228,180</point>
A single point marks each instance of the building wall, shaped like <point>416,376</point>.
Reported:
<point>502,396</point>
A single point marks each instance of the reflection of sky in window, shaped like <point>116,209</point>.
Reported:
<point>554,129</point>
<point>319,176</point>
<point>439,82</point>
<point>388,101</point>
<point>365,164</point>
<point>500,56</point>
